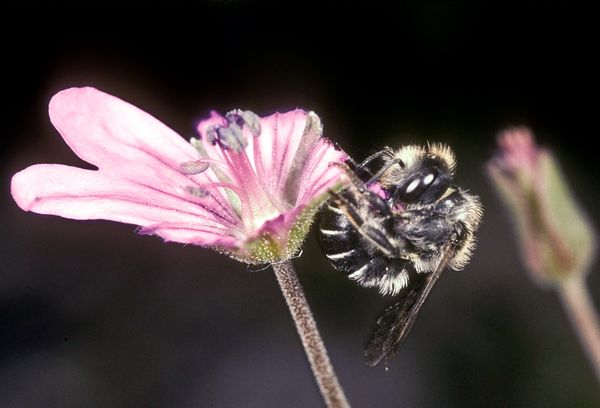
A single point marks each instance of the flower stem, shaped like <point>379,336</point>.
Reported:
<point>580,309</point>
<point>309,334</point>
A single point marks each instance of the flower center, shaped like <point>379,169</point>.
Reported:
<point>257,204</point>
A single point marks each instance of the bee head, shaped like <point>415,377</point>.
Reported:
<point>423,175</point>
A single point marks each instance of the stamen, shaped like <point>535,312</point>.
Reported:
<point>196,191</point>
<point>231,137</point>
<point>252,120</point>
<point>235,116</point>
<point>197,143</point>
<point>211,134</point>
<point>216,185</point>
<point>248,118</point>
<point>190,168</point>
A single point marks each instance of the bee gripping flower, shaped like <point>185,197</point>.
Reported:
<point>556,238</point>
<point>249,186</point>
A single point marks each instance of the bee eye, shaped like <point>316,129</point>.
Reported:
<point>414,188</point>
<point>425,185</point>
<point>428,179</point>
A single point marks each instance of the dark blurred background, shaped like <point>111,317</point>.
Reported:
<point>92,315</point>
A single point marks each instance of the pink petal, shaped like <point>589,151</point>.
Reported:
<point>318,174</point>
<point>115,135</point>
<point>282,148</point>
<point>123,140</point>
<point>191,234</point>
<point>87,194</point>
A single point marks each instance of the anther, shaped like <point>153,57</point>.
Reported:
<point>193,167</point>
<point>248,118</point>
<point>252,120</point>
<point>235,116</point>
<point>211,134</point>
<point>197,191</point>
<point>231,137</point>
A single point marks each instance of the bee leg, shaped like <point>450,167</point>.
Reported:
<point>377,203</point>
<point>373,200</point>
<point>373,157</point>
<point>360,184</point>
<point>356,182</point>
<point>368,197</point>
<point>369,159</point>
<point>385,168</point>
<point>378,238</point>
<point>362,166</point>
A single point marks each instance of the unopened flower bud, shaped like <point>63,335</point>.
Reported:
<point>556,239</point>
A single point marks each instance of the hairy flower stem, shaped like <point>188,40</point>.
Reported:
<point>580,309</point>
<point>309,334</point>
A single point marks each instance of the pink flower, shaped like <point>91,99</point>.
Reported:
<point>250,187</point>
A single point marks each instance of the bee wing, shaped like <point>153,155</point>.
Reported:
<point>393,326</point>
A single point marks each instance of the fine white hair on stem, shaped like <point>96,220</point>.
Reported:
<point>309,334</point>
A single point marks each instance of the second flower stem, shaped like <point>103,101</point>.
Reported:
<point>580,309</point>
<point>309,334</point>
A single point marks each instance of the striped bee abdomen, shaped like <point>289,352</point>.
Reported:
<point>340,242</point>
<point>351,253</point>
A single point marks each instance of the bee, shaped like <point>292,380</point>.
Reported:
<point>396,228</point>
